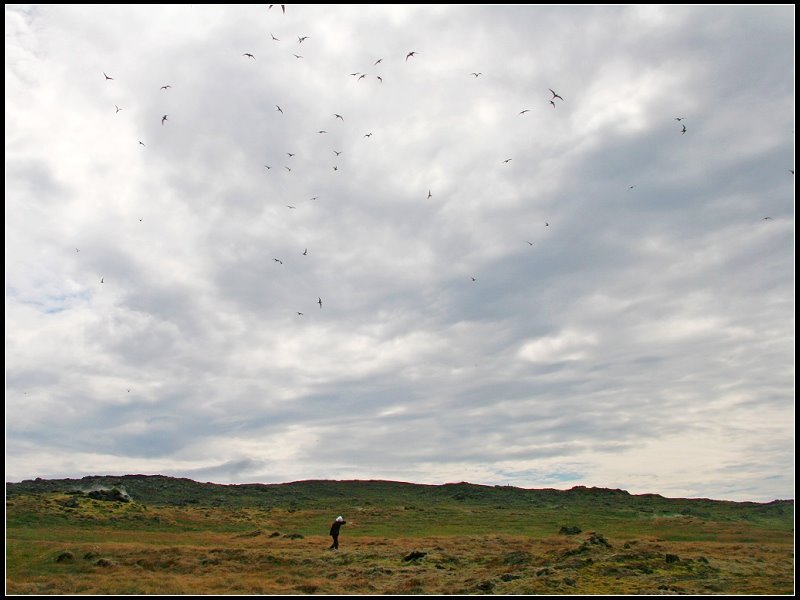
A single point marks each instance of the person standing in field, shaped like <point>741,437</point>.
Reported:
<point>335,527</point>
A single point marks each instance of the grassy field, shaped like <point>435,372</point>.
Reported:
<point>182,537</point>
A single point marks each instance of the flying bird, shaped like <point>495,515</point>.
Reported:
<point>250,55</point>
<point>290,154</point>
<point>102,280</point>
<point>288,169</point>
<point>555,95</point>
<point>283,7</point>
<point>377,61</point>
<point>301,39</point>
<point>313,197</point>
<point>165,87</point>
<point>305,252</point>
<point>300,314</point>
<point>77,250</point>
<point>274,38</point>
<point>278,260</point>
<point>107,77</point>
<point>354,74</point>
<point>367,134</point>
<point>409,55</point>
<point>507,160</point>
<point>679,118</point>
<point>296,55</point>
<point>547,224</point>
<point>322,131</point>
<point>287,206</point>
<point>684,129</point>
<point>524,111</point>
<point>319,301</point>
<point>118,108</point>
<point>429,194</point>
<point>767,219</point>
<point>337,152</point>
<point>280,110</point>
<point>553,103</point>
<point>361,76</point>
<point>335,168</point>
<point>338,116</point>
<point>142,143</point>
<point>476,74</point>
<point>631,187</point>
<point>268,166</point>
<point>379,78</point>
<point>164,118</point>
<point>529,243</point>
<point>473,279</point>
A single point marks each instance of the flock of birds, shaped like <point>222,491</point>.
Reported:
<point>250,55</point>
<point>361,76</point>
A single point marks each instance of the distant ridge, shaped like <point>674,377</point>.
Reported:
<point>164,490</point>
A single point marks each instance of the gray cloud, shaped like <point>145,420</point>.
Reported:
<point>643,341</point>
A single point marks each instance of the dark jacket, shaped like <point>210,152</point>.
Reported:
<point>336,526</point>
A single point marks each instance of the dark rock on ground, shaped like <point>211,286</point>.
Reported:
<point>112,495</point>
<point>517,558</point>
<point>569,530</point>
<point>414,555</point>
<point>598,539</point>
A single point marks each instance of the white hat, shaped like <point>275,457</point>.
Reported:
<point>339,518</point>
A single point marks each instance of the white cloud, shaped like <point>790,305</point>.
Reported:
<point>567,345</point>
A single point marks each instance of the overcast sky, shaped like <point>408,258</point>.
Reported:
<point>579,294</point>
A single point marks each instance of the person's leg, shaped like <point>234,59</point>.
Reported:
<point>336,542</point>
<point>333,543</point>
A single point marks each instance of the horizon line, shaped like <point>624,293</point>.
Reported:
<point>372,480</point>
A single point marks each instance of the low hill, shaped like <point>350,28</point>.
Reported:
<point>160,490</point>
